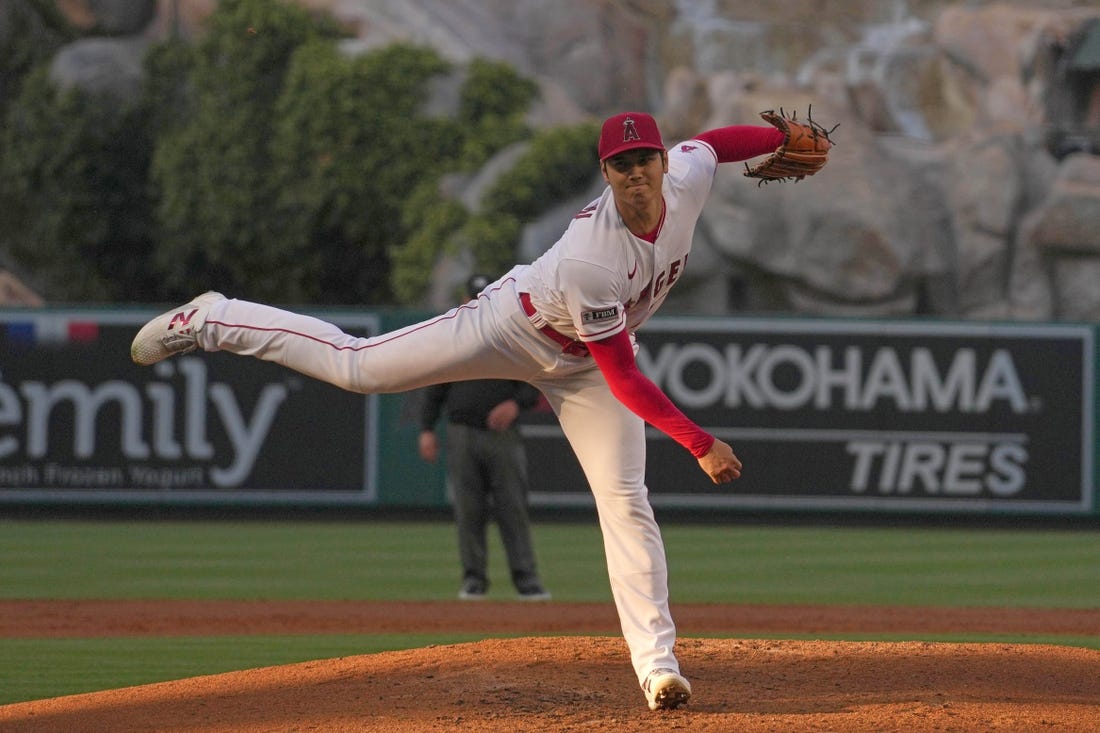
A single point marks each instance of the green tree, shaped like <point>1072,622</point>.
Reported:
<point>29,35</point>
<point>263,161</point>
<point>561,162</point>
<point>350,147</point>
<point>558,163</point>
<point>214,169</point>
<point>492,238</point>
<point>167,93</point>
<point>433,223</point>
<point>492,104</point>
<point>73,194</point>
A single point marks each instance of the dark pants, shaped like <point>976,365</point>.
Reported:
<point>488,474</point>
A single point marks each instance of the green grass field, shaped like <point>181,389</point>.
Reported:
<point>364,560</point>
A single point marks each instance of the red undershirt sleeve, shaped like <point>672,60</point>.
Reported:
<point>615,358</point>
<point>741,142</point>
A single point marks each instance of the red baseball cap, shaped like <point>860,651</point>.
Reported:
<point>627,131</point>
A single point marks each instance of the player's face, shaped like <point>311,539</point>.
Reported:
<point>635,176</point>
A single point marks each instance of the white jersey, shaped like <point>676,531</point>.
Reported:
<point>598,278</point>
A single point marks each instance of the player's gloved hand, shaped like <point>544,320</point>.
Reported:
<point>720,463</point>
<point>804,152</point>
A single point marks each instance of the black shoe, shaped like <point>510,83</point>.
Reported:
<point>473,589</point>
<point>532,590</point>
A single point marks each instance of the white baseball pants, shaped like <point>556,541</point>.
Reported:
<point>491,337</point>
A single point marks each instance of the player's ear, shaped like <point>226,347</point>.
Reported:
<point>603,171</point>
<point>664,160</point>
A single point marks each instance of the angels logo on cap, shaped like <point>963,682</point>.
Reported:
<point>627,131</point>
<point>630,130</point>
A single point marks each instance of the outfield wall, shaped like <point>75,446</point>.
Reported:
<point>827,414</point>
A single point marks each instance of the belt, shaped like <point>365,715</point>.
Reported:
<point>568,345</point>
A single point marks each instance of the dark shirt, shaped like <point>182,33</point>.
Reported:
<point>469,402</point>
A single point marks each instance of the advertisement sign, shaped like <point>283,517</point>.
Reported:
<point>79,421</point>
<point>858,415</point>
<point>825,414</point>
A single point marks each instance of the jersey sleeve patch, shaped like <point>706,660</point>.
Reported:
<point>598,316</point>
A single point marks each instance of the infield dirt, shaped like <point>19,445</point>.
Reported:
<point>570,671</point>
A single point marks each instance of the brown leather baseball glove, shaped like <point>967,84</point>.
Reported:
<point>805,149</point>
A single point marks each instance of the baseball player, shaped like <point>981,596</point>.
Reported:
<point>565,324</point>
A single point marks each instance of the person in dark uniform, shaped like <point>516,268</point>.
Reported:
<point>487,468</point>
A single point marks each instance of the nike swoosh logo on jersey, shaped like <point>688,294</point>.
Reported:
<point>630,275</point>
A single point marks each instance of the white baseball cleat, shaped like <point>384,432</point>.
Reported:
<point>173,332</point>
<point>666,689</point>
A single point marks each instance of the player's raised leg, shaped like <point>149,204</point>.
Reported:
<point>464,343</point>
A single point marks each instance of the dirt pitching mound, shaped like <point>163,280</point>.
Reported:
<point>570,670</point>
<point>585,684</point>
